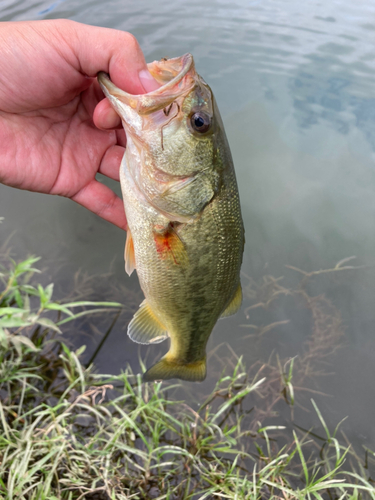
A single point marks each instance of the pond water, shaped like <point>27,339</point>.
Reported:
<point>295,85</point>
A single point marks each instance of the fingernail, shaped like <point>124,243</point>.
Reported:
<point>148,81</point>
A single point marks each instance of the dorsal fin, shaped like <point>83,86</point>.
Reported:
<point>234,304</point>
<point>145,328</point>
<point>129,253</point>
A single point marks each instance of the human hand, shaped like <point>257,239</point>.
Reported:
<point>56,130</point>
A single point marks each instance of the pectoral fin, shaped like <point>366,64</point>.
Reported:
<point>129,253</point>
<point>169,245</point>
<point>145,328</point>
<point>234,304</point>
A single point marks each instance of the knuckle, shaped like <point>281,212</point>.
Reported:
<point>131,41</point>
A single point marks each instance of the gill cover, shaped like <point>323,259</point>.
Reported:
<point>167,131</point>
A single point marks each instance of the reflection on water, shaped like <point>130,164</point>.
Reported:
<point>294,82</point>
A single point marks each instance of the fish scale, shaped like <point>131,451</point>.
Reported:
<point>186,234</point>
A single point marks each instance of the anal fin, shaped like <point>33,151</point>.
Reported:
<point>129,253</point>
<point>145,328</point>
<point>234,304</point>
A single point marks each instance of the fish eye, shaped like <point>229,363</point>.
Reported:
<point>200,122</point>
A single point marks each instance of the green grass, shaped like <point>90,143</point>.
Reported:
<point>69,433</point>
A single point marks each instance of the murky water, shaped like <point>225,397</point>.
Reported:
<point>295,85</point>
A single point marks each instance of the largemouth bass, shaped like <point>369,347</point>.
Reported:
<point>185,236</point>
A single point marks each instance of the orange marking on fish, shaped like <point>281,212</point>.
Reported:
<point>164,245</point>
<point>169,245</point>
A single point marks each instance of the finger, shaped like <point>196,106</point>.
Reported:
<point>110,165</point>
<point>105,117</point>
<point>101,200</point>
<point>121,138</point>
<point>115,52</point>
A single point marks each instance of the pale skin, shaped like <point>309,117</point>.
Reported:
<point>56,130</point>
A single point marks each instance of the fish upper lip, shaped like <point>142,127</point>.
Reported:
<point>143,101</point>
<point>187,63</point>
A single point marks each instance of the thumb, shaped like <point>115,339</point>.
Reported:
<point>114,52</point>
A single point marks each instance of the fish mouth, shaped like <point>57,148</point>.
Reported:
<point>177,77</point>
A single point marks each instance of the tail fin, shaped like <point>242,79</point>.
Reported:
<point>166,369</point>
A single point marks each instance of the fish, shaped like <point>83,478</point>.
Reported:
<point>185,235</point>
